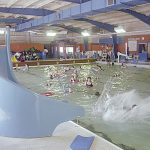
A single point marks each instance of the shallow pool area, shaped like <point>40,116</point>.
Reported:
<point>120,114</point>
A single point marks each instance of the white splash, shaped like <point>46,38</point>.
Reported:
<point>123,107</point>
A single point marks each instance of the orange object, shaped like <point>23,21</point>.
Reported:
<point>48,93</point>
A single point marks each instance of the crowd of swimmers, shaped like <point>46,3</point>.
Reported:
<point>75,75</point>
<point>74,78</point>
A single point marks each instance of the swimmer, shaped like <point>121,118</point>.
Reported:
<point>100,67</point>
<point>134,106</point>
<point>73,79</point>
<point>88,82</point>
<point>48,84</point>
<point>116,75</point>
<point>76,72</point>
<point>97,94</point>
<point>112,64</point>
<point>76,76</point>
<point>66,69</point>
<point>67,88</point>
<point>70,90</point>
<point>51,76</point>
<point>123,65</point>
<point>128,108</point>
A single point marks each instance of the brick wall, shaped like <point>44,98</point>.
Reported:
<point>18,47</point>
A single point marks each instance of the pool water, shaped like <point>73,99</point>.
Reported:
<point>111,114</point>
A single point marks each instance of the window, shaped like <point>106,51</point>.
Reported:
<point>69,50</point>
<point>61,50</point>
<point>111,2</point>
<point>132,45</point>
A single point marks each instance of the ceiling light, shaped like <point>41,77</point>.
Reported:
<point>51,33</point>
<point>85,33</point>
<point>119,29</point>
<point>32,32</point>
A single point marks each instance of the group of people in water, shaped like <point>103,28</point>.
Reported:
<point>88,81</point>
<point>74,78</point>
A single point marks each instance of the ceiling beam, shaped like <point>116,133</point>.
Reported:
<point>42,3</point>
<point>29,3</point>
<point>11,2</point>
<point>12,20</point>
<point>140,16</point>
<point>76,1</point>
<point>69,28</point>
<point>26,11</point>
<point>94,7</point>
<point>101,25</point>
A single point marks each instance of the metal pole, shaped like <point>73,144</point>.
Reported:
<point>114,38</point>
<point>86,43</point>
<point>7,39</point>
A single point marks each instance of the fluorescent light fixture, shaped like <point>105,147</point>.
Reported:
<point>2,31</point>
<point>119,29</point>
<point>33,32</point>
<point>51,33</point>
<point>85,33</point>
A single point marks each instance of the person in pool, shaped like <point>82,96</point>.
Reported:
<point>116,75</point>
<point>76,73</point>
<point>123,66</point>
<point>51,76</point>
<point>97,94</point>
<point>100,67</point>
<point>73,79</point>
<point>88,82</point>
<point>129,108</point>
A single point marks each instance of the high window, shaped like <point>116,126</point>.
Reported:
<point>111,2</point>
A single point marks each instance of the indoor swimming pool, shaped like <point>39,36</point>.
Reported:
<point>120,114</point>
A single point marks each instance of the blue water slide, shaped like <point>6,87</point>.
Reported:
<point>25,114</point>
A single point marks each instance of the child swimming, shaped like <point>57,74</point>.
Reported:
<point>51,76</point>
<point>73,79</point>
<point>123,66</point>
<point>97,94</point>
<point>88,82</point>
<point>100,67</point>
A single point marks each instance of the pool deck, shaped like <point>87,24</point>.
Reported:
<point>145,65</point>
<point>53,62</point>
<point>62,138</point>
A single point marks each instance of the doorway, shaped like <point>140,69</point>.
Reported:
<point>143,47</point>
<point>61,52</point>
<point>70,52</point>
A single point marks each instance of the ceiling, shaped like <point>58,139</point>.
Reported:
<point>130,23</point>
